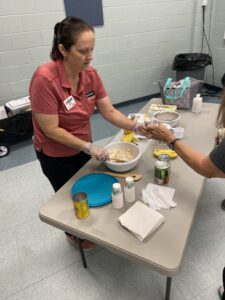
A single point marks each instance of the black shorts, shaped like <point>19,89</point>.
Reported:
<point>59,170</point>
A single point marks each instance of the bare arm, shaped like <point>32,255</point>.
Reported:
<point>112,115</point>
<point>199,162</point>
<point>115,117</point>
<point>49,124</point>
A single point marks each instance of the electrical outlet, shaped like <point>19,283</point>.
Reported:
<point>204,2</point>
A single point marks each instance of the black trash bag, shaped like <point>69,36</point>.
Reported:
<point>191,61</point>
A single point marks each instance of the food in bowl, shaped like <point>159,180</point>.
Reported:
<point>167,117</point>
<point>122,150</point>
<point>122,154</point>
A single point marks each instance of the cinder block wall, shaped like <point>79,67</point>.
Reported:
<point>134,48</point>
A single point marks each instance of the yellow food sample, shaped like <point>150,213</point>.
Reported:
<point>129,138</point>
<point>127,131</point>
<point>171,153</point>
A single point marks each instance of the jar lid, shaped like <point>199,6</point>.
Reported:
<point>162,164</point>
<point>80,196</point>
<point>129,181</point>
<point>164,157</point>
<point>116,188</point>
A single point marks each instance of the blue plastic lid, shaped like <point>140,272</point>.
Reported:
<point>97,186</point>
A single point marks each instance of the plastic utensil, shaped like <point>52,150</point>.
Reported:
<point>136,176</point>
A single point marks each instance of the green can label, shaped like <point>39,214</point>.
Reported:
<point>162,172</point>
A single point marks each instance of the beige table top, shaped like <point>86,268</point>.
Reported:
<point>163,250</point>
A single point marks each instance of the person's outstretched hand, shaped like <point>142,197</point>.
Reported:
<point>98,152</point>
<point>160,132</point>
<point>141,129</point>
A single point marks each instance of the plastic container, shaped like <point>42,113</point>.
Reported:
<point>166,117</point>
<point>129,190</point>
<point>197,104</point>
<point>117,196</point>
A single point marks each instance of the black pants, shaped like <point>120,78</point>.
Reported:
<point>59,170</point>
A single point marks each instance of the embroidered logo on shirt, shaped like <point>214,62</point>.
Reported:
<point>69,102</point>
<point>90,94</point>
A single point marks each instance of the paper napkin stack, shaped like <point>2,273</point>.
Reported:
<point>141,220</point>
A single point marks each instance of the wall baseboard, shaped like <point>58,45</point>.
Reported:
<point>213,87</point>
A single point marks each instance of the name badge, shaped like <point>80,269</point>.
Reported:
<point>69,102</point>
<point>90,94</point>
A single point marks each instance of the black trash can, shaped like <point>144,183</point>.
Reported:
<point>191,64</point>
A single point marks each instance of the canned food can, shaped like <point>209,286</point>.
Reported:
<point>162,172</point>
<point>164,157</point>
<point>80,204</point>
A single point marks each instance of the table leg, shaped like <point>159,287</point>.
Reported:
<point>168,287</point>
<point>82,253</point>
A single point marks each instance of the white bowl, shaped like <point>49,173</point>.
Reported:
<point>123,166</point>
<point>167,117</point>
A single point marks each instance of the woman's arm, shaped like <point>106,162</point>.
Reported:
<point>199,162</point>
<point>115,117</point>
<point>49,124</point>
<point>112,115</point>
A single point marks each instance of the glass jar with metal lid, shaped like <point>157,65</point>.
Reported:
<point>164,157</point>
<point>162,171</point>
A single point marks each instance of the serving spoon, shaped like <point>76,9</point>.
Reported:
<point>136,176</point>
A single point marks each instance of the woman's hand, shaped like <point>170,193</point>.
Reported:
<point>141,129</point>
<point>96,151</point>
<point>160,132</point>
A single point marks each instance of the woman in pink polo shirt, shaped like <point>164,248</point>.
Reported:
<point>64,93</point>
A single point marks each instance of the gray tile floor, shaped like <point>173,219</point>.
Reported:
<point>37,263</point>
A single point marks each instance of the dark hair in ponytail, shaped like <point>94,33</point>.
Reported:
<point>66,33</point>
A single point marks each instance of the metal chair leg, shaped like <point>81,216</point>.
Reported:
<point>168,287</point>
<point>82,253</point>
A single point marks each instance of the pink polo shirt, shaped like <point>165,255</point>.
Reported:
<point>49,88</point>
